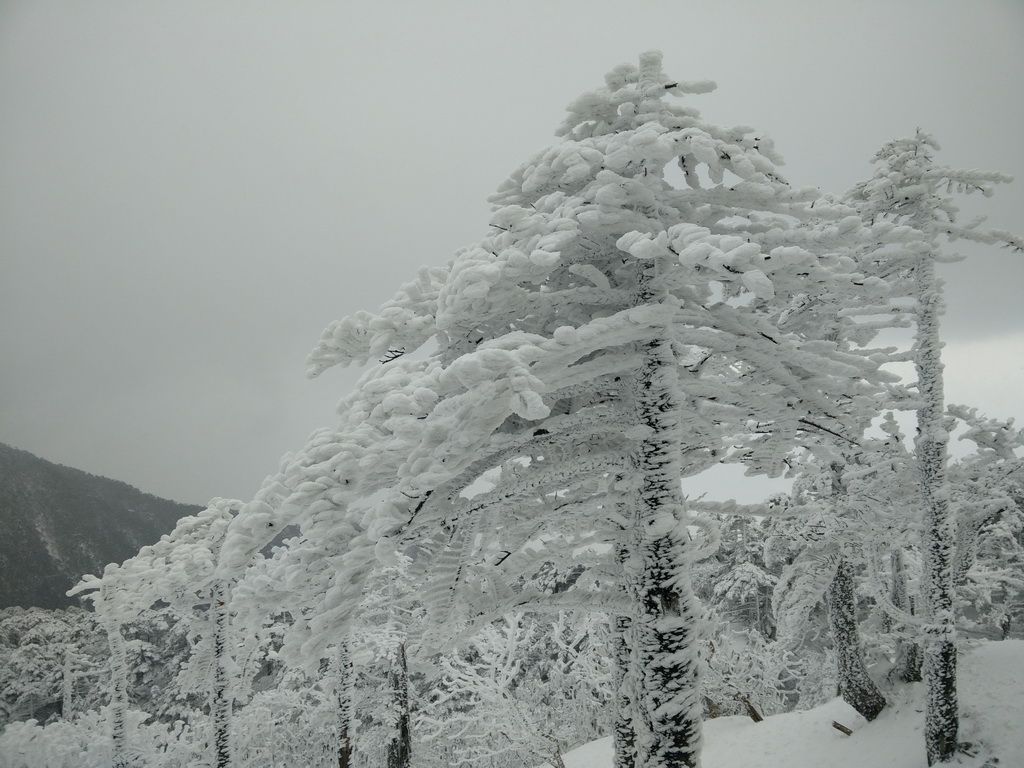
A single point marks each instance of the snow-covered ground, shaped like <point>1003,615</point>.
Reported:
<point>992,720</point>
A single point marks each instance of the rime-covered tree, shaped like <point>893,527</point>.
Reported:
<point>520,689</point>
<point>736,583</point>
<point>988,488</point>
<point>911,189</point>
<point>180,571</point>
<point>597,347</point>
<point>108,600</point>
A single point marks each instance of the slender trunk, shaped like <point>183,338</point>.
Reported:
<point>271,728</point>
<point>399,749</point>
<point>748,705</point>
<point>118,695</point>
<point>855,685</point>
<point>940,662</point>
<point>67,683</point>
<point>757,612</point>
<point>668,615</point>
<point>915,657</point>
<point>908,653</point>
<point>769,619</point>
<point>343,695</point>
<point>623,733</point>
<point>221,696</point>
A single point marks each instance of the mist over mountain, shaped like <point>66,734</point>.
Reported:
<point>59,523</point>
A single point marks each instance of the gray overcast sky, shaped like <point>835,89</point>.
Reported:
<point>191,191</point>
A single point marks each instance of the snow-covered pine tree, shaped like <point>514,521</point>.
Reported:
<point>911,189</point>
<point>735,583</point>
<point>568,344</point>
<point>988,489</point>
<point>181,571</point>
<point>676,268</point>
<point>109,607</point>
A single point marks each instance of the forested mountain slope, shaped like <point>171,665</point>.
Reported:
<point>59,523</point>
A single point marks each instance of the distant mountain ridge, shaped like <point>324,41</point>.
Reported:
<point>58,523</point>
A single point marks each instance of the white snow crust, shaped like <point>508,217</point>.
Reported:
<point>991,683</point>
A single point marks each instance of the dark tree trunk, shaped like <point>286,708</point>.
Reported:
<point>668,616</point>
<point>118,694</point>
<point>343,693</point>
<point>623,733</point>
<point>752,712</point>
<point>221,696</point>
<point>942,720</point>
<point>67,683</point>
<point>855,685</point>
<point>399,749</point>
<point>943,717</point>
<point>908,653</point>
